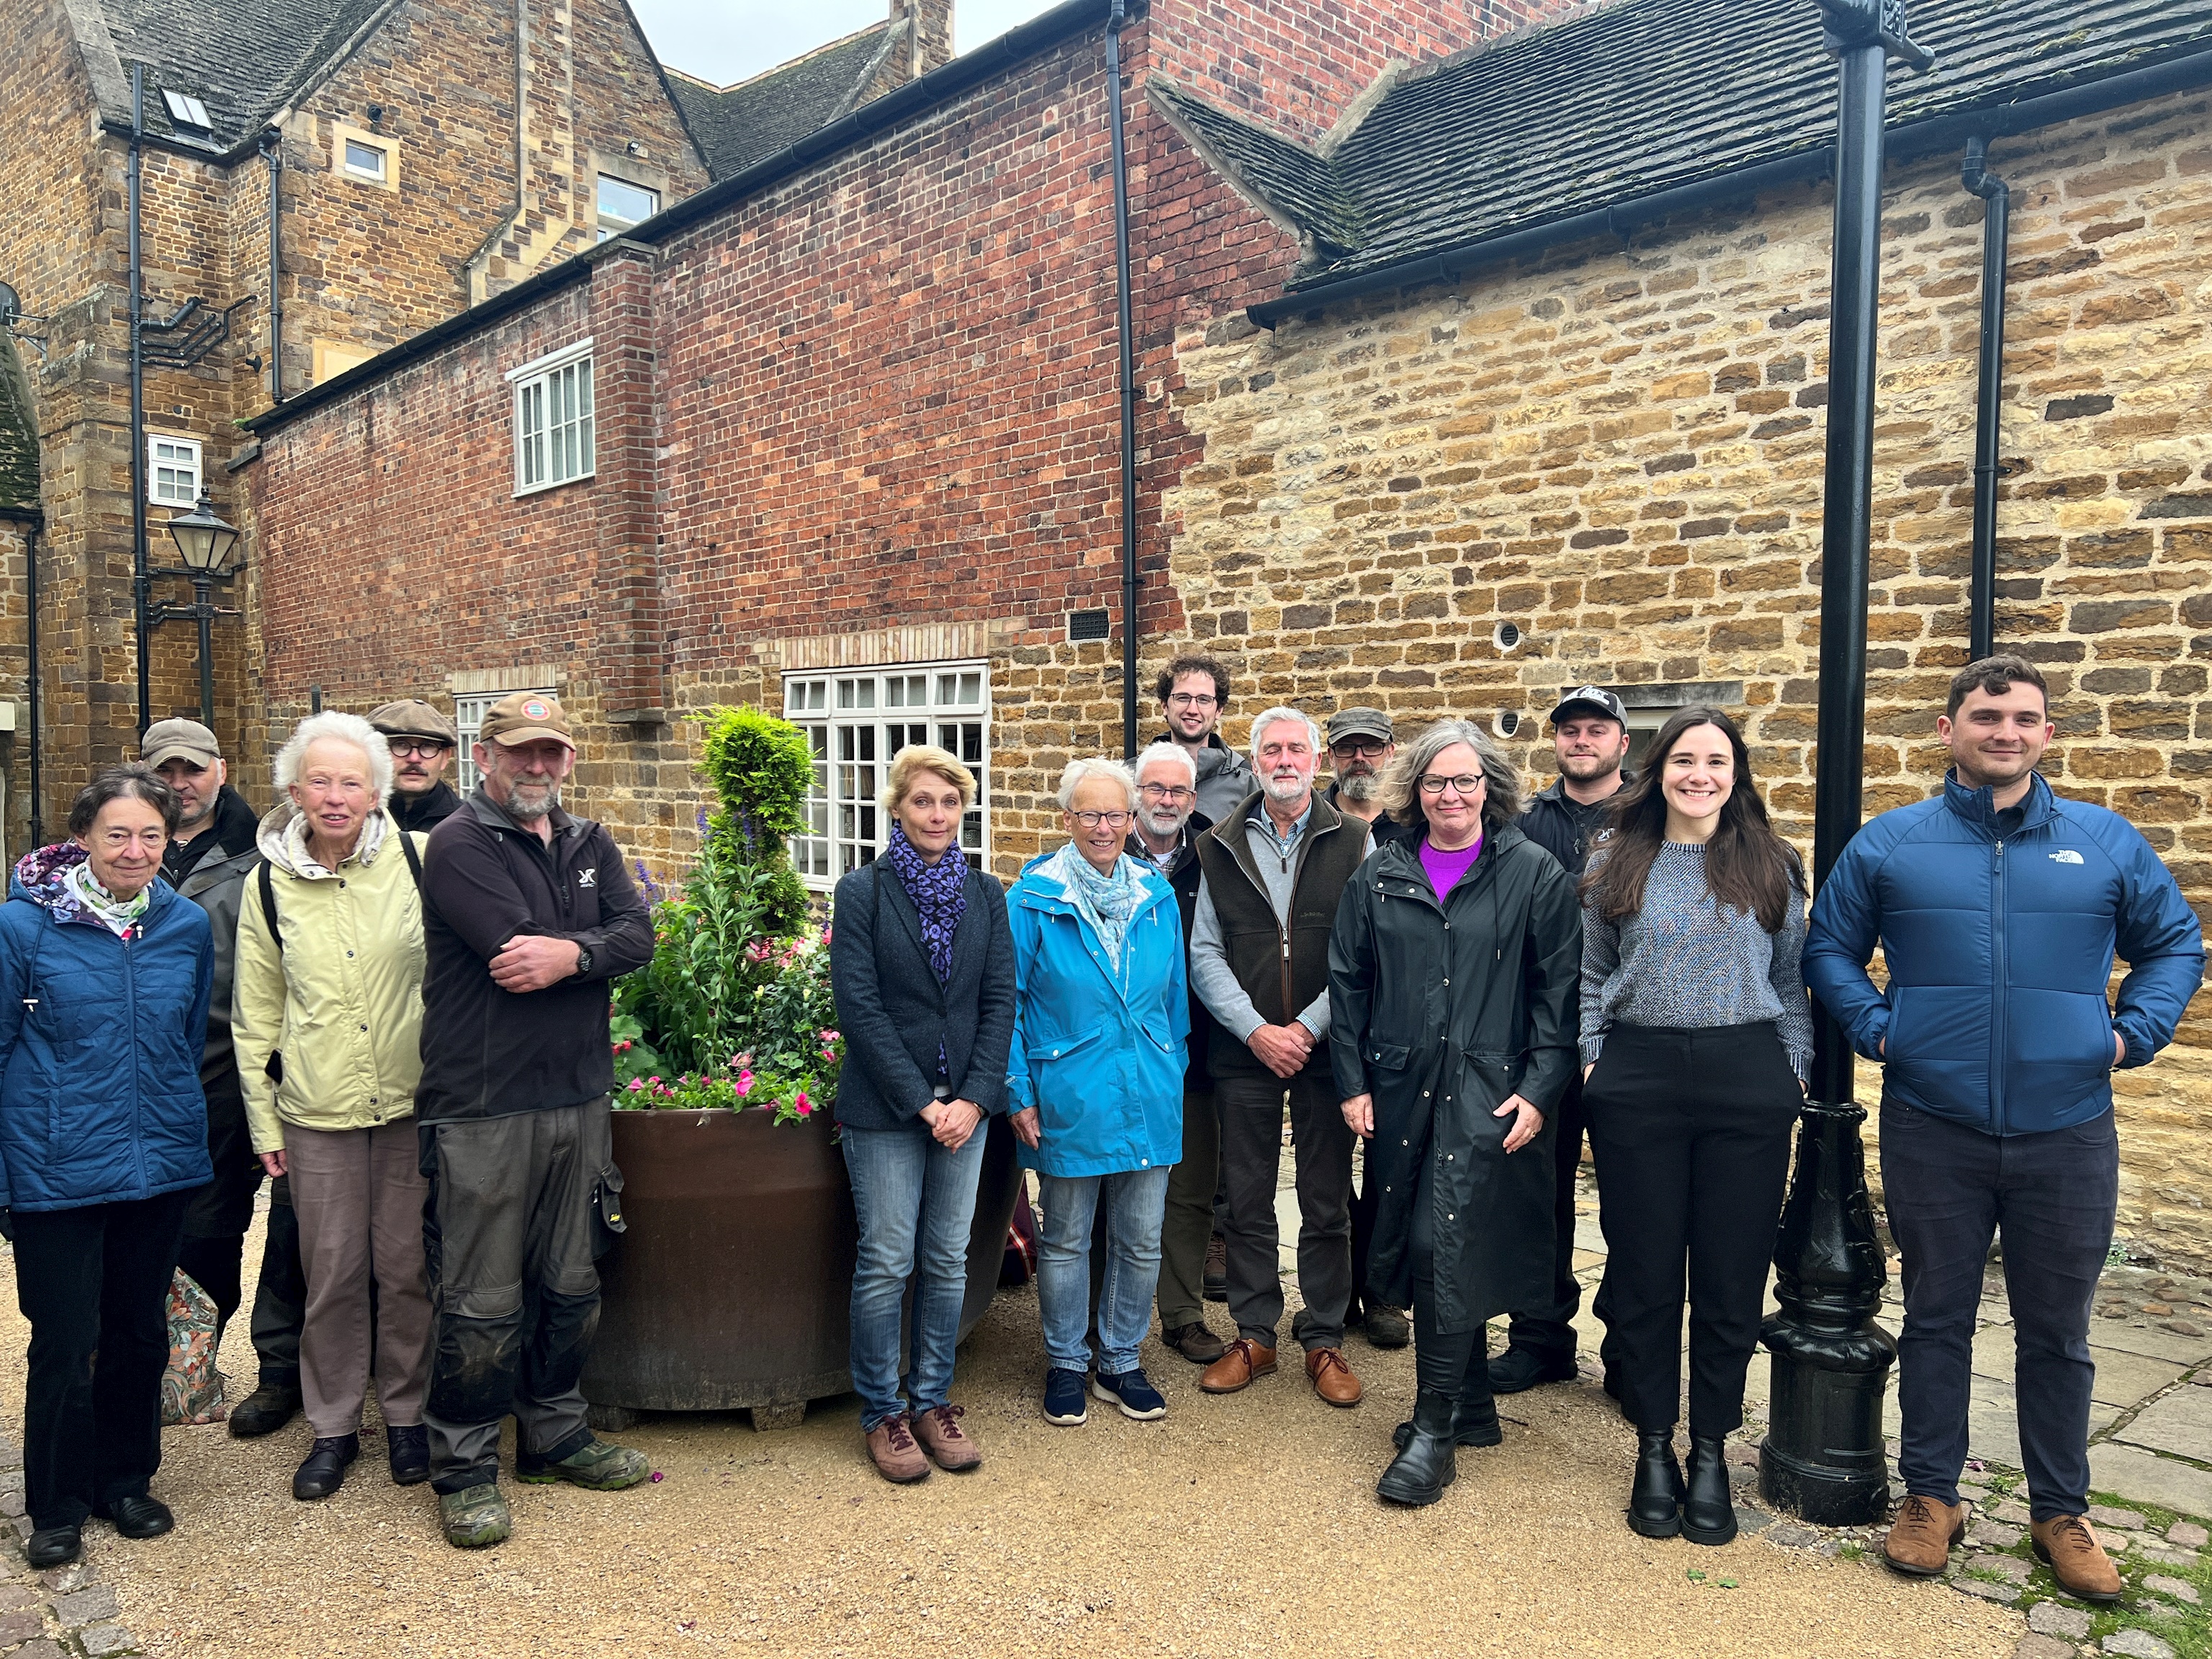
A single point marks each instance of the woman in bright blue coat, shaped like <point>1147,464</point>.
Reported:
<point>105,976</point>
<point>1095,1080</point>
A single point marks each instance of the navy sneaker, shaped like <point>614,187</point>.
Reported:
<point>1133,1391</point>
<point>1064,1405</point>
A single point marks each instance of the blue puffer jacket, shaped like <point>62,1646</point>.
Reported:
<point>1999,952</point>
<point>1098,1050</point>
<point>100,1044</point>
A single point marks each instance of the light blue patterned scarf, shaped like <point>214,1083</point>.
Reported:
<point>1106,901</point>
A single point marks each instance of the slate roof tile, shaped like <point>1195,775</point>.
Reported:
<point>737,126</point>
<point>245,59</point>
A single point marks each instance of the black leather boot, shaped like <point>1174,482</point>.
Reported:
<point>1428,1463</point>
<point>1474,1422</point>
<point>323,1472</point>
<point>1654,1503</point>
<point>1708,1510</point>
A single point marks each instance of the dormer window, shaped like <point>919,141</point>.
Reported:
<point>186,113</point>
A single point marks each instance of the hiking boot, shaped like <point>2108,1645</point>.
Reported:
<point>597,1466</point>
<point>1708,1505</point>
<point>1241,1363</point>
<point>1920,1539</point>
<point>266,1410</point>
<point>1520,1368</point>
<point>408,1449</point>
<point>2076,1560</point>
<point>1216,1269</point>
<point>1386,1326</point>
<point>475,1518</point>
<point>323,1472</point>
<point>1133,1391</point>
<point>892,1449</point>
<point>1194,1343</point>
<point>1063,1399</point>
<point>939,1431</point>
<point>1331,1377</point>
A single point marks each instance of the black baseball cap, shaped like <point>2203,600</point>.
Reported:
<point>1592,700</point>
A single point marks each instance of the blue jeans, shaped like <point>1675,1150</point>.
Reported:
<point>916,1204</point>
<point>1136,1202</point>
<point>1948,1189</point>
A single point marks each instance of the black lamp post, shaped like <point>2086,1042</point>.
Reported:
<point>1823,1456</point>
<point>204,542</point>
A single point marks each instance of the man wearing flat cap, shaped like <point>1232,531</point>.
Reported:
<point>423,742</point>
<point>527,914</point>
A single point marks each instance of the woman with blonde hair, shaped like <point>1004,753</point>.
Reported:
<point>923,969</point>
<point>328,1019</point>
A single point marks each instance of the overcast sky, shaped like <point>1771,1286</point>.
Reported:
<point>727,40</point>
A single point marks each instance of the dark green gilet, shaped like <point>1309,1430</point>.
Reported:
<point>1281,969</point>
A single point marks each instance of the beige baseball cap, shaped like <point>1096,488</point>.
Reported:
<point>180,739</point>
<point>525,717</point>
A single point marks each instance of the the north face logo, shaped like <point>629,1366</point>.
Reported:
<point>2070,856</point>
<point>591,878</point>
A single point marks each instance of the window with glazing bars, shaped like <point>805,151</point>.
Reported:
<point>855,722</point>
<point>553,421</point>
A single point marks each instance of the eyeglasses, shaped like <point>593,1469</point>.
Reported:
<point>1165,792</point>
<point>1093,820</point>
<point>412,749</point>
<point>1465,784</point>
<point>1365,748</point>
<point>1192,700</point>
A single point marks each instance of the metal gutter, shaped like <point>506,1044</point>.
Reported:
<point>1996,236</point>
<point>1126,372</point>
<point>1946,131</point>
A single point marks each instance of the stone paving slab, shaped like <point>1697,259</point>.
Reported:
<point>2146,1478</point>
<point>2144,1337</point>
<point>2180,1423</point>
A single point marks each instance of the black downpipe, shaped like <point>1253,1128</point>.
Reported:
<point>1129,380</point>
<point>272,152</point>
<point>31,521</point>
<point>140,581</point>
<point>1996,236</point>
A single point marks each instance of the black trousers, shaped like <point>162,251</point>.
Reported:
<point>1550,1329</point>
<point>216,1225</point>
<point>1692,1131</point>
<point>280,1299</point>
<point>95,1283</point>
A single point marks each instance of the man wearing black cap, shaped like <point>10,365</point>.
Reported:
<point>1589,736</point>
<point>422,742</point>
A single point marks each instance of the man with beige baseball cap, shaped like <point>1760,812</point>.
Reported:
<point>527,914</point>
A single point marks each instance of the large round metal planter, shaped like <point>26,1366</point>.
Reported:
<point>732,1285</point>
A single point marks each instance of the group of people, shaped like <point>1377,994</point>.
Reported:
<point>390,1000</point>
<point>1414,962</point>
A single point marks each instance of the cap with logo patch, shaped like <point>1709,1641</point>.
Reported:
<point>525,717</point>
<point>1591,700</point>
<point>180,739</point>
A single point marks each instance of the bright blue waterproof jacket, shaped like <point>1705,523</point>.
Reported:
<point>2000,948</point>
<point>100,1044</point>
<point>1098,1050</point>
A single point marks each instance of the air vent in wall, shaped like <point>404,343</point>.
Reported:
<point>1084,625</point>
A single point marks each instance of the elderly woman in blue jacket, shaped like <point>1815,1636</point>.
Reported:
<point>1101,1015</point>
<point>105,977</point>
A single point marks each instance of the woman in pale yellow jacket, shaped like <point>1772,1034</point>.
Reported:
<point>328,1020</point>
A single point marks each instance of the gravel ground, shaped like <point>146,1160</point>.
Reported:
<point>1235,1526</point>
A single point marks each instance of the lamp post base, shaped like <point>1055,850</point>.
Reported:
<point>1823,1459</point>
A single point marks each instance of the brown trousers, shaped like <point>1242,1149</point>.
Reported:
<point>359,1195</point>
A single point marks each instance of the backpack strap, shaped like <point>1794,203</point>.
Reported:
<point>268,904</point>
<point>414,858</point>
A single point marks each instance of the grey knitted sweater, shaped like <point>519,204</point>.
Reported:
<point>1683,961</point>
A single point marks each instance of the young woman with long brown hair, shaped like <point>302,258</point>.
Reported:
<point>1696,1038</point>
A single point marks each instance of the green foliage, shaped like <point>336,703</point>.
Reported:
<point>761,767</point>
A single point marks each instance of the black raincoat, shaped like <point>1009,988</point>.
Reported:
<point>1441,1011</point>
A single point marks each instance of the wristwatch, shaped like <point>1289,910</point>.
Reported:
<point>583,959</point>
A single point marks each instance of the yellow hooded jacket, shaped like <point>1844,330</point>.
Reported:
<point>342,1001</point>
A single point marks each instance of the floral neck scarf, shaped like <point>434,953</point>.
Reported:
<point>118,916</point>
<point>940,892</point>
<point>1105,901</point>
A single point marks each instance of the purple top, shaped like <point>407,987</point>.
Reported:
<point>1445,869</point>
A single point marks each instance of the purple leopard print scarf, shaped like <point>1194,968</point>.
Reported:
<point>940,892</point>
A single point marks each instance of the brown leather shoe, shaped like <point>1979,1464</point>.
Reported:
<point>2077,1560</point>
<point>1194,1343</point>
<point>1332,1378</point>
<point>891,1445</point>
<point>1920,1539</point>
<point>939,1431</point>
<point>1240,1363</point>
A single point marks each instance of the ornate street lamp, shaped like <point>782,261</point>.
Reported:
<point>204,542</point>
<point>1823,1457</point>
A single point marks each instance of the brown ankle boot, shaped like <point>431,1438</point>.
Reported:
<point>1920,1539</point>
<point>2077,1560</point>
<point>890,1446</point>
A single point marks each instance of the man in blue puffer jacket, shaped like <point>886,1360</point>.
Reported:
<point>1999,909</point>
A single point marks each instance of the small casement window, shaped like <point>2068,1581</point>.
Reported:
<point>367,158</point>
<point>553,423</point>
<point>623,206</point>
<point>365,161</point>
<point>173,471</point>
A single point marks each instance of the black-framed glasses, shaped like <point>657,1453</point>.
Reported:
<point>1093,820</point>
<point>418,749</point>
<point>1464,785</point>
<point>1366,747</point>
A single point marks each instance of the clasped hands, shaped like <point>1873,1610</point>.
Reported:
<point>951,1121</point>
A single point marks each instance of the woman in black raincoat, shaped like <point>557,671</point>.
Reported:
<point>1453,973</point>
